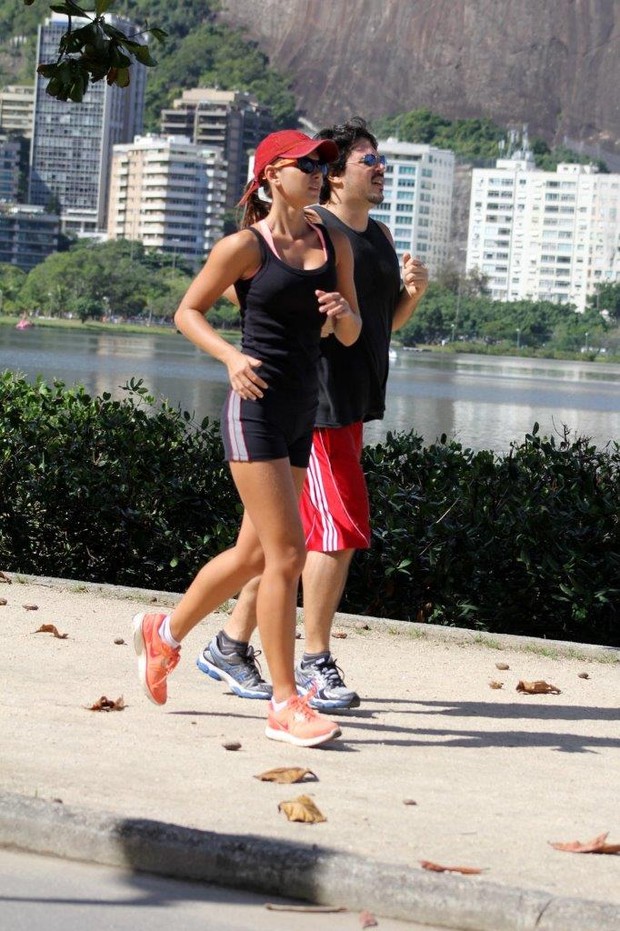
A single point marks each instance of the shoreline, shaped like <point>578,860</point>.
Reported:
<point>158,329</point>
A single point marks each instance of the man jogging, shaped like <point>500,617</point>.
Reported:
<point>334,503</point>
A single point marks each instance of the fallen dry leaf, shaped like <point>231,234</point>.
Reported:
<point>302,809</point>
<point>502,666</point>
<point>540,687</point>
<point>409,801</point>
<point>583,675</point>
<point>496,685</point>
<point>438,868</point>
<point>339,634</point>
<point>232,745</point>
<point>50,629</point>
<point>596,845</point>
<point>368,920</point>
<point>286,775</point>
<point>119,641</point>
<point>298,635</point>
<point>321,909</point>
<point>3,601</point>
<point>5,578</point>
<point>361,625</point>
<point>30,607</point>
<point>106,704</point>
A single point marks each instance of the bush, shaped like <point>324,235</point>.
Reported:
<point>109,491</point>
<point>527,543</point>
<point>127,493</point>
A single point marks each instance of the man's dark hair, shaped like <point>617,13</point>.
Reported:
<point>345,135</point>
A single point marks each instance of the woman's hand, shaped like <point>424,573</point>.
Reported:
<point>243,378</point>
<point>344,320</point>
<point>333,304</point>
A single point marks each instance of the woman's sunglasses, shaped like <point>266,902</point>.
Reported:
<point>309,165</point>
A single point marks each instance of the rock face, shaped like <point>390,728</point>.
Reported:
<point>553,65</point>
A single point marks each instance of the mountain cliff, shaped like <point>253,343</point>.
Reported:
<point>554,66</point>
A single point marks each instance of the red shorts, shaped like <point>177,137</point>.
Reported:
<point>334,501</point>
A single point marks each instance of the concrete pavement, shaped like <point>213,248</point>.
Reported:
<point>495,775</point>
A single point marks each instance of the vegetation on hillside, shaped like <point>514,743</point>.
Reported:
<point>474,139</point>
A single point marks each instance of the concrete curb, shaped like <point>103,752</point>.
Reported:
<point>458,635</point>
<point>309,872</point>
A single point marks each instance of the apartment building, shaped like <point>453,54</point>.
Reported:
<point>27,235</point>
<point>169,194</point>
<point>72,142</point>
<point>10,156</point>
<point>418,200</point>
<point>542,235</point>
<point>16,109</point>
<point>232,121</point>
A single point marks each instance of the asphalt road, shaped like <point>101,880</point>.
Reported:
<point>45,894</point>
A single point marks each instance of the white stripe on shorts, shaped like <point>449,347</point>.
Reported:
<point>235,429</point>
<point>320,502</point>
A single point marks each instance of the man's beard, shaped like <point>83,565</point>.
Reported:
<point>376,197</point>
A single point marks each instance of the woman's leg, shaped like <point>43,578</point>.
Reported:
<point>270,493</point>
<point>220,579</point>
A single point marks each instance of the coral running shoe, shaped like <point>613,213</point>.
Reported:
<point>155,658</point>
<point>297,723</point>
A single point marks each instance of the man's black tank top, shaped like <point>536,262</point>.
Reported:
<point>281,322</point>
<point>352,379</point>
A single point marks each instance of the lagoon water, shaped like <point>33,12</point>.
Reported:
<point>485,402</point>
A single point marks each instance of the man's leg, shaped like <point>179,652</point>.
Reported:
<point>334,508</point>
<point>230,657</point>
<point>323,579</point>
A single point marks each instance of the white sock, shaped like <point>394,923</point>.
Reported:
<point>278,705</point>
<point>166,636</point>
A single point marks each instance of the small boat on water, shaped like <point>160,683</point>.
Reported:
<point>24,324</point>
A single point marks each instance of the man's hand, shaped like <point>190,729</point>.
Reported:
<point>415,276</point>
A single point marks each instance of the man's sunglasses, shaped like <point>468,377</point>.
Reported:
<point>309,165</point>
<point>372,160</point>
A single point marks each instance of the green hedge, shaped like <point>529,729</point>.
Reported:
<point>128,492</point>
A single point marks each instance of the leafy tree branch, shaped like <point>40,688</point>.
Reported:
<point>94,50</point>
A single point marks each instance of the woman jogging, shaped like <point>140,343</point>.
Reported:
<point>290,276</point>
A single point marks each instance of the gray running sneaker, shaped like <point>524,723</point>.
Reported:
<point>240,670</point>
<point>324,678</point>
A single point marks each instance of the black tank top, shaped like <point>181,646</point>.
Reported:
<point>352,379</point>
<point>280,319</point>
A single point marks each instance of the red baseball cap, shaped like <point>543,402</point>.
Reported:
<point>289,143</point>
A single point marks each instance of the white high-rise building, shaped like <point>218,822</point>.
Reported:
<point>169,194</point>
<point>72,142</point>
<point>418,200</point>
<point>542,235</point>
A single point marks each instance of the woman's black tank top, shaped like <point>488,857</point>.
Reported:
<point>280,319</point>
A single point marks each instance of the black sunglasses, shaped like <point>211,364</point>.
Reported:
<point>309,165</point>
<point>371,160</point>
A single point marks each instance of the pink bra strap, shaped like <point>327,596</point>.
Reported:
<point>266,232</point>
<point>319,232</point>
